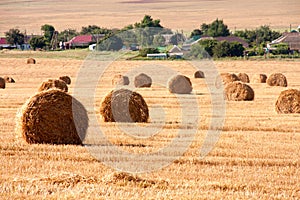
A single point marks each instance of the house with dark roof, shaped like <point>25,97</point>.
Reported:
<point>292,39</point>
<point>232,38</point>
<point>83,40</point>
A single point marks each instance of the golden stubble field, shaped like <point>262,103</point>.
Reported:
<point>256,156</point>
<point>178,15</point>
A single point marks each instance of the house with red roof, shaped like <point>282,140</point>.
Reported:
<point>83,41</point>
<point>5,45</point>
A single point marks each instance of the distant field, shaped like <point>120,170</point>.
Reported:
<point>257,155</point>
<point>175,14</point>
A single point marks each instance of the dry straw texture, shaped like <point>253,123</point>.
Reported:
<point>31,61</point>
<point>228,78</point>
<point>180,84</point>
<point>259,78</point>
<point>277,79</point>
<point>52,83</point>
<point>124,106</point>
<point>48,117</point>
<point>199,74</point>
<point>9,79</point>
<point>238,91</point>
<point>142,80</point>
<point>244,77</point>
<point>66,79</point>
<point>119,79</point>
<point>288,101</point>
<point>2,83</point>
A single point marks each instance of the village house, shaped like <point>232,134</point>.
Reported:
<point>292,39</point>
<point>83,41</point>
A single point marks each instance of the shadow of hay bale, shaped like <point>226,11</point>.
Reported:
<point>288,101</point>
<point>124,105</point>
<point>48,118</point>
<point>238,91</point>
<point>180,84</point>
<point>277,79</point>
<point>2,83</point>
<point>53,83</point>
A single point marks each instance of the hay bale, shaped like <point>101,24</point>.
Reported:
<point>259,78</point>
<point>47,118</point>
<point>243,77</point>
<point>288,101</point>
<point>199,74</point>
<point>53,83</point>
<point>228,78</point>
<point>9,79</point>
<point>66,79</point>
<point>31,61</point>
<point>119,79</point>
<point>142,80</point>
<point>124,105</point>
<point>277,79</point>
<point>180,84</point>
<point>238,91</point>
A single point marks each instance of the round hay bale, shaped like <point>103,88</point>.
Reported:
<point>119,79</point>
<point>238,91</point>
<point>243,77</point>
<point>31,61</point>
<point>288,101</point>
<point>228,78</point>
<point>277,79</point>
<point>124,105</point>
<point>259,78</point>
<point>142,80</point>
<point>53,83</point>
<point>199,74</point>
<point>66,79</point>
<point>180,84</point>
<point>9,79</point>
<point>47,118</point>
<point>2,83</point>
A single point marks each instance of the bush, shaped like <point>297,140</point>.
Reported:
<point>143,52</point>
<point>281,48</point>
<point>37,42</point>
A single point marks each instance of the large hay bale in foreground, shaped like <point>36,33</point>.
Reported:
<point>277,79</point>
<point>124,105</point>
<point>31,61</point>
<point>243,77</point>
<point>119,79</point>
<point>142,80</point>
<point>238,91</point>
<point>288,101</point>
<point>180,84</point>
<point>66,79</point>
<point>2,83</point>
<point>48,118</point>
<point>199,74</point>
<point>53,83</point>
<point>259,78</point>
<point>9,79</point>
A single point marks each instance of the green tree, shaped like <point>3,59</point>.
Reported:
<point>14,37</point>
<point>236,49</point>
<point>144,51</point>
<point>112,43</point>
<point>67,35</point>
<point>196,33</point>
<point>177,39</point>
<point>37,42</point>
<point>215,29</point>
<point>197,52</point>
<point>48,32</point>
<point>208,45</point>
<point>94,29</point>
<point>222,49</point>
<point>159,41</point>
<point>147,21</point>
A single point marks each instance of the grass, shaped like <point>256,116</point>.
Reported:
<point>256,157</point>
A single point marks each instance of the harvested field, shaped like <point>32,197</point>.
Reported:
<point>256,157</point>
